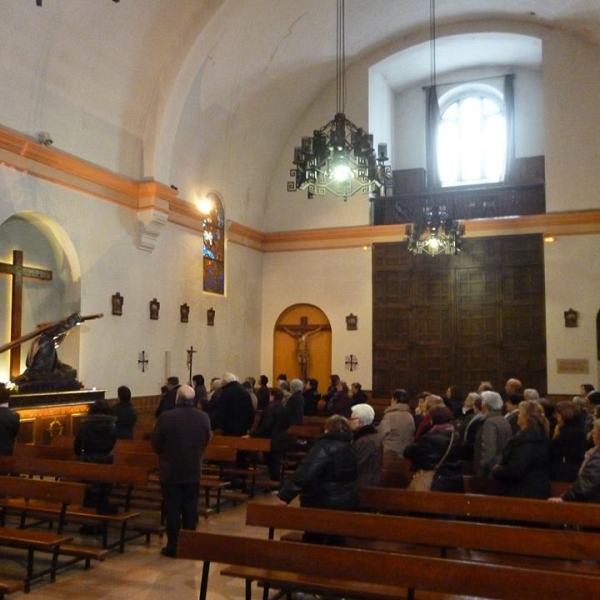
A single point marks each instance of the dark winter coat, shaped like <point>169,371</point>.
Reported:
<point>586,487</point>
<point>179,438</point>
<point>126,416</point>
<point>9,429</point>
<point>234,413</point>
<point>428,451</point>
<point>368,445</point>
<point>525,467</point>
<point>326,478</point>
<point>273,424</point>
<point>567,450</point>
<point>96,438</point>
<point>294,407</point>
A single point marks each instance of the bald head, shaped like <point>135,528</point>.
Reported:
<point>185,395</point>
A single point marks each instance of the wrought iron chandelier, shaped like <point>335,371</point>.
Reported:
<point>339,158</point>
<point>435,233</point>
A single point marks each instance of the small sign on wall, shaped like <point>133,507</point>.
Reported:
<point>573,366</point>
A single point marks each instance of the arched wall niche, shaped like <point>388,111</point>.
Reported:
<point>45,245</point>
<point>318,340</point>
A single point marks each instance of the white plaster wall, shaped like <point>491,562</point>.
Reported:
<point>571,267</point>
<point>339,283</point>
<point>286,211</point>
<point>572,122</point>
<point>105,239</point>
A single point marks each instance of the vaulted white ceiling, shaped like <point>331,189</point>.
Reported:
<point>119,84</point>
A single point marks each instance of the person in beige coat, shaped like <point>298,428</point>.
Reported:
<point>397,425</point>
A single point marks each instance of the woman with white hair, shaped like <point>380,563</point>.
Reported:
<point>368,444</point>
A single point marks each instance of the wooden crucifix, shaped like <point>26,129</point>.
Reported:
<point>190,360</point>
<point>301,333</point>
<point>18,272</point>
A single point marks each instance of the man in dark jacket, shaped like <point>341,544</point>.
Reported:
<point>9,424</point>
<point>94,442</point>
<point>235,413</point>
<point>295,403</point>
<point>167,402</point>
<point>179,439</point>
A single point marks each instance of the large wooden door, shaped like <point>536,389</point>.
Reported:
<point>446,320</point>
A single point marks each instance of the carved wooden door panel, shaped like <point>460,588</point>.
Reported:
<point>459,319</point>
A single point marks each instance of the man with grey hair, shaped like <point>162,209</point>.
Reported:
<point>493,435</point>
<point>368,444</point>
<point>531,394</point>
<point>294,406</point>
<point>180,438</point>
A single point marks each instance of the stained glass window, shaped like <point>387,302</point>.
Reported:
<point>213,247</point>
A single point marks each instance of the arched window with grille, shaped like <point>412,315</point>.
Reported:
<point>213,245</point>
<point>472,137</point>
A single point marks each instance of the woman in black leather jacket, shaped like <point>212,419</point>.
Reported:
<point>326,477</point>
<point>430,448</point>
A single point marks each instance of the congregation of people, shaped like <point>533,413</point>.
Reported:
<point>516,438</point>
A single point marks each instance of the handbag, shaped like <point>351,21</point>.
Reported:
<point>423,479</point>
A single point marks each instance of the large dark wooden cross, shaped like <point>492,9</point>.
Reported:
<point>18,272</point>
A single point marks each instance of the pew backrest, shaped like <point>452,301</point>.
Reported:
<point>74,470</point>
<point>478,507</point>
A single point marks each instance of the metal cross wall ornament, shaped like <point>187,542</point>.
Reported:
<point>351,362</point>
<point>143,360</point>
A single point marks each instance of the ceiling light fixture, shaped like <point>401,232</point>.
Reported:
<point>435,232</point>
<point>339,158</point>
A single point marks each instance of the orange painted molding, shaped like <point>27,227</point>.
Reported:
<point>25,154</point>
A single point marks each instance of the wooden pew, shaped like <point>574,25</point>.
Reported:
<point>478,507</point>
<point>135,453</point>
<point>371,574</point>
<point>395,471</point>
<point>17,491</point>
<point>410,534</point>
<point>83,472</point>
<point>10,586</point>
<point>227,447</point>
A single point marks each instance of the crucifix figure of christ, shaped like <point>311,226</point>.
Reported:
<point>18,272</point>
<point>301,333</point>
<point>190,360</point>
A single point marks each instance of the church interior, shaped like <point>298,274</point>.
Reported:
<point>148,179</point>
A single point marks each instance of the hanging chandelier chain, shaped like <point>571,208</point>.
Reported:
<point>339,158</point>
<point>432,38</point>
<point>340,58</point>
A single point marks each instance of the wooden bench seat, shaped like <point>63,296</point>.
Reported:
<point>222,450</point>
<point>31,541</point>
<point>76,471</point>
<point>351,573</point>
<point>566,551</point>
<point>59,495</point>
<point>10,586</point>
